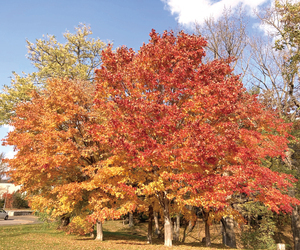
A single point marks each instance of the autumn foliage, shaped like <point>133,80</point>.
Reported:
<point>158,128</point>
<point>62,164</point>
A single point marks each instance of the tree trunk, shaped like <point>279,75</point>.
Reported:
<point>207,232</point>
<point>150,224</point>
<point>296,227</point>
<point>157,230</point>
<point>92,235</point>
<point>191,226</point>
<point>168,224</point>
<point>65,220</point>
<point>191,222</point>
<point>99,231</point>
<point>176,228</point>
<point>295,217</point>
<point>207,235</point>
<point>184,233</point>
<point>131,220</point>
<point>228,234</point>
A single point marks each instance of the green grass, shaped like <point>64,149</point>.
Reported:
<point>116,236</point>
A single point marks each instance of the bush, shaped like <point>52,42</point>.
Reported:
<point>258,233</point>
<point>19,201</point>
<point>80,226</point>
<point>43,216</point>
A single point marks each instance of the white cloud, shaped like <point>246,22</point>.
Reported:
<point>190,11</point>
<point>266,29</point>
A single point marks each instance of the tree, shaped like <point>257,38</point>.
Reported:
<point>277,70</point>
<point>227,38</point>
<point>77,58</point>
<point>58,163</point>
<point>179,125</point>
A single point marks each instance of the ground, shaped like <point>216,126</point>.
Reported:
<point>117,236</point>
<point>19,220</point>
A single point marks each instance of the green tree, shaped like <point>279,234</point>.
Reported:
<point>280,64</point>
<point>77,58</point>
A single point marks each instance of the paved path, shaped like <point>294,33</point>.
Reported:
<point>19,220</point>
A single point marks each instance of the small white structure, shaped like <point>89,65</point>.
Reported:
<point>8,187</point>
<point>280,246</point>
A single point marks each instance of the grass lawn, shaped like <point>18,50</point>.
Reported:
<point>116,236</point>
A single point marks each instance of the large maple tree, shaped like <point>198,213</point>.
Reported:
<point>186,132</point>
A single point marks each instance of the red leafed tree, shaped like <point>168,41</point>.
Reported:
<point>187,132</point>
<point>8,200</point>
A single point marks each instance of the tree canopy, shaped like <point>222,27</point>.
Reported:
<point>180,124</point>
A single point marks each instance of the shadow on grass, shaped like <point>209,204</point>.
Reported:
<point>84,239</point>
<point>139,233</point>
<point>130,243</point>
<point>123,238</point>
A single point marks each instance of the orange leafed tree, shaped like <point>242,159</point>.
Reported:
<point>187,132</point>
<point>58,163</point>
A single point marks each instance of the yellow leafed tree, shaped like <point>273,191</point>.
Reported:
<point>77,58</point>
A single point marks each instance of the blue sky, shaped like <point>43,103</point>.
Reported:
<point>123,22</point>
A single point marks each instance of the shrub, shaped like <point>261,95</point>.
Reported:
<point>19,201</point>
<point>258,233</point>
<point>79,225</point>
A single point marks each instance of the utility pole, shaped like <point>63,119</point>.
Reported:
<point>6,196</point>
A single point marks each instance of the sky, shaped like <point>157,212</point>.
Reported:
<point>121,22</point>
